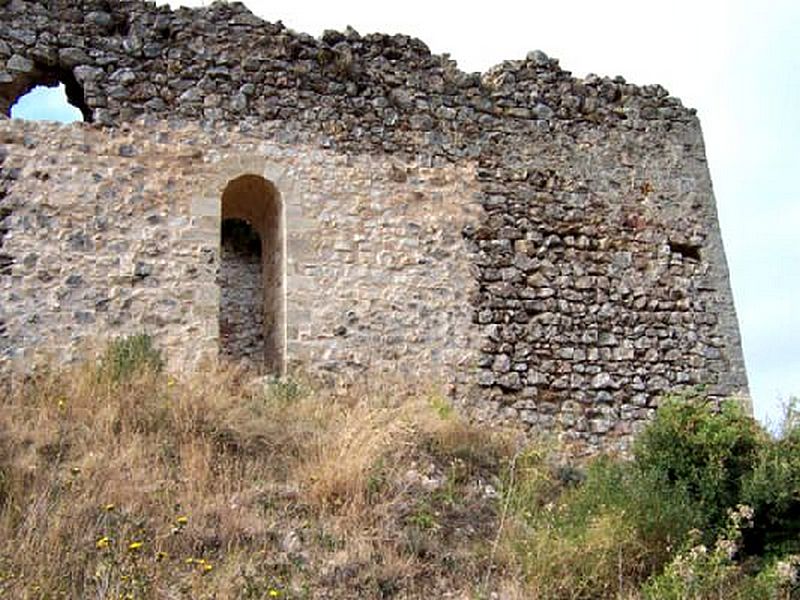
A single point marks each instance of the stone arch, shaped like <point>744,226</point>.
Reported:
<point>28,74</point>
<point>251,313</point>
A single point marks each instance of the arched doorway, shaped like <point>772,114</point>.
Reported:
<point>251,313</point>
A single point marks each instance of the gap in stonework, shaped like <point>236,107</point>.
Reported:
<point>251,311</point>
<point>46,103</point>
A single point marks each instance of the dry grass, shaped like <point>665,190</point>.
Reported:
<point>156,488</point>
<point>600,561</point>
<point>125,484</point>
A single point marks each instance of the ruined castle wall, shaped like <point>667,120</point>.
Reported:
<point>114,232</point>
<point>601,276</point>
<point>549,242</point>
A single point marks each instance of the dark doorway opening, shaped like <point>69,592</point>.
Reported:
<point>251,315</point>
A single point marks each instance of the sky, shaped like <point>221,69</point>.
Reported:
<point>736,61</point>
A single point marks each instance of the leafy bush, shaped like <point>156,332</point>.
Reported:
<point>702,453</point>
<point>598,561</point>
<point>660,517</point>
<point>130,355</point>
<point>700,572</point>
<point>672,516</point>
<point>773,489</point>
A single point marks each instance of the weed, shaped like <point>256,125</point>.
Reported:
<point>122,481</point>
<point>283,391</point>
<point>127,356</point>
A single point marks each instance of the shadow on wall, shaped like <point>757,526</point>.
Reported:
<point>241,281</point>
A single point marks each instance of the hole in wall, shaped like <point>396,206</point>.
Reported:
<point>6,264</point>
<point>6,260</point>
<point>690,251</point>
<point>47,94</point>
<point>241,321</point>
<point>44,103</point>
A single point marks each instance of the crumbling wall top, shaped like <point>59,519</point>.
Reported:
<point>221,63</point>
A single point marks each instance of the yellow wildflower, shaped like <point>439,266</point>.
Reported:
<point>134,546</point>
<point>207,567</point>
<point>102,543</point>
<point>182,520</point>
<point>273,593</point>
<point>109,507</point>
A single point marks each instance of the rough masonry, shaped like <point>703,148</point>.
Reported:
<point>544,246</point>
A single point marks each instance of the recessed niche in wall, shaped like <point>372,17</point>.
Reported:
<point>251,314</point>
<point>690,251</point>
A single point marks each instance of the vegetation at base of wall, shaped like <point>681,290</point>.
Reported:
<point>707,507</point>
<point>128,356</point>
<point>145,485</point>
<point>701,453</point>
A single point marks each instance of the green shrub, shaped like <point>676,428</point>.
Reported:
<point>780,579</point>
<point>660,516</point>
<point>284,390</point>
<point>791,418</point>
<point>603,560</point>
<point>527,483</point>
<point>707,493</point>
<point>130,355</point>
<point>773,489</point>
<point>699,572</point>
<point>701,453</point>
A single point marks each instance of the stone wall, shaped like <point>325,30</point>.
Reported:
<point>115,231</point>
<point>546,245</point>
<point>241,286</point>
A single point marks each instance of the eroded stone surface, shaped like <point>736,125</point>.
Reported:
<point>241,284</point>
<point>547,246</point>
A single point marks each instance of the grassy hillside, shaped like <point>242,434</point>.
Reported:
<point>120,481</point>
